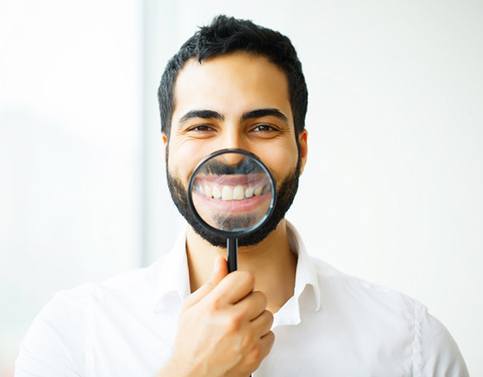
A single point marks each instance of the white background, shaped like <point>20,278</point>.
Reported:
<point>391,192</point>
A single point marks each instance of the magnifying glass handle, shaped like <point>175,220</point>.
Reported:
<point>232,252</point>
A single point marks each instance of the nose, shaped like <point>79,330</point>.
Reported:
<point>232,159</point>
<point>233,137</point>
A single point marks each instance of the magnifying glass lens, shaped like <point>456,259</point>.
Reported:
<point>232,192</point>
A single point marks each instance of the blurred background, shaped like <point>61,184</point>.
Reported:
<point>392,192</point>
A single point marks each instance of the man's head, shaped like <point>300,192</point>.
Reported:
<point>234,85</point>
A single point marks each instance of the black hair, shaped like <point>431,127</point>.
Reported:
<point>228,34</point>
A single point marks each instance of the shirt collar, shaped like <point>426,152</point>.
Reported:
<point>305,276</point>
<point>171,276</point>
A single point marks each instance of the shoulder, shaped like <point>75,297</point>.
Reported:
<point>136,283</point>
<point>56,339</point>
<point>69,307</point>
<point>386,311</point>
<point>362,292</point>
<point>134,288</point>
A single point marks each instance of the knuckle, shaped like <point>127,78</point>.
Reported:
<point>214,305</point>
<point>247,277</point>
<point>234,323</point>
<point>271,336</point>
<point>270,340</point>
<point>255,355</point>
<point>269,316</point>
<point>262,298</point>
<point>246,344</point>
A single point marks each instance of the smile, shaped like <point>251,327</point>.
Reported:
<point>232,187</point>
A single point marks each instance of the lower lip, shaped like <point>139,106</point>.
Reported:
<point>232,206</point>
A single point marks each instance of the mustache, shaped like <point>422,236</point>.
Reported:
<point>245,166</point>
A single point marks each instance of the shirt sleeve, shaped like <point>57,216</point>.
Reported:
<point>436,352</point>
<point>52,345</point>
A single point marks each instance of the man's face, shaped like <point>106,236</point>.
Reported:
<point>234,101</point>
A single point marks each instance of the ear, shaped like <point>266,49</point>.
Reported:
<point>164,138</point>
<point>302,136</point>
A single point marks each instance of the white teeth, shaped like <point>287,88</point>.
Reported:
<point>227,193</point>
<point>258,190</point>
<point>238,193</point>
<point>207,190</point>
<point>216,193</point>
<point>249,192</point>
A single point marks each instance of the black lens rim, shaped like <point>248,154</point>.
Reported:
<point>225,233</point>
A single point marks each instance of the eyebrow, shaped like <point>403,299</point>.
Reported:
<point>210,114</point>
<point>263,113</point>
<point>205,114</point>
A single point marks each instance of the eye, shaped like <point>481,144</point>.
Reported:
<point>201,128</point>
<point>263,128</point>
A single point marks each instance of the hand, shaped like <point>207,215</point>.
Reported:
<point>224,327</point>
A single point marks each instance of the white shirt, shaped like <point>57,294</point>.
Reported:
<point>334,325</point>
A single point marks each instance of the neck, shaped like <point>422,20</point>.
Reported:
<point>271,262</point>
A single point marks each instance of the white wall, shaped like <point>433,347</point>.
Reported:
<point>395,145</point>
<point>395,130</point>
<point>70,151</point>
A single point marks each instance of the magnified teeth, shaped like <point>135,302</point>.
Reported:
<point>216,193</point>
<point>207,190</point>
<point>238,193</point>
<point>227,193</point>
<point>249,192</point>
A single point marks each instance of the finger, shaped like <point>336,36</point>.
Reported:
<point>233,287</point>
<point>266,343</point>
<point>254,358</point>
<point>263,323</point>
<point>252,305</point>
<point>220,270</point>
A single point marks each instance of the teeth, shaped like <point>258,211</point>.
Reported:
<point>249,192</point>
<point>238,193</point>
<point>227,193</point>
<point>207,190</point>
<point>216,193</point>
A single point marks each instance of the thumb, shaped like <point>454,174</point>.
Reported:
<point>220,270</point>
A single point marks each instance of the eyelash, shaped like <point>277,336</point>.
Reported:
<point>201,128</point>
<point>267,127</point>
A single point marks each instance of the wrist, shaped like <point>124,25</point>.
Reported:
<point>173,368</point>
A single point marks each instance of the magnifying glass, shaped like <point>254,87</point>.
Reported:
<point>232,194</point>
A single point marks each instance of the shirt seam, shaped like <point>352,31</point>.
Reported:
<point>65,349</point>
<point>417,347</point>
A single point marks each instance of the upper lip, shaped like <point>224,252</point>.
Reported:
<point>233,179</point>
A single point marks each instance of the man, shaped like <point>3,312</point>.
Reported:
<point>283,313</point>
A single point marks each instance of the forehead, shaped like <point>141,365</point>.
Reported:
<point>231,84</point>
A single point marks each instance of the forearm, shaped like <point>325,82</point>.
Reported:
<point>172,368</point>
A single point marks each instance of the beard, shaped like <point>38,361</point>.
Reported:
<point>285,196</point>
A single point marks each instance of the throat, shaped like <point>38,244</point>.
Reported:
<point>271,261</point>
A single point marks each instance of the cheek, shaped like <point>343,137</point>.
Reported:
<point>281,160</point>
<point>183,158</point>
